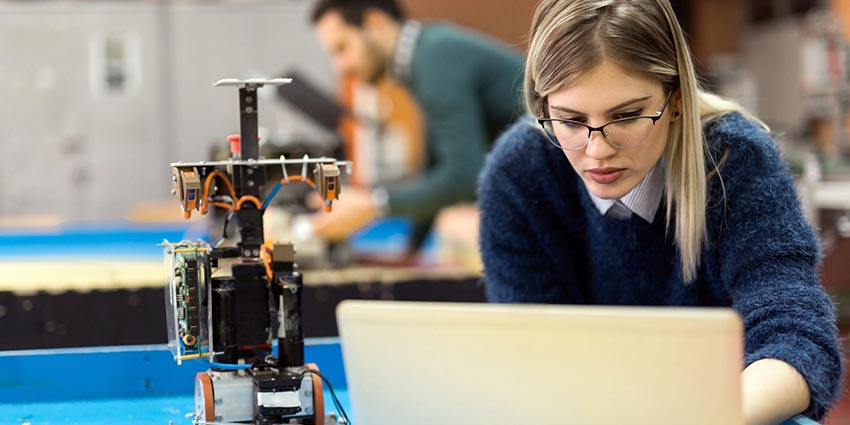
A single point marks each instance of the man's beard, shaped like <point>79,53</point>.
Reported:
<point>379,63</point>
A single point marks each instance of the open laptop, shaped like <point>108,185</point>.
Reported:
<point>444,364</point>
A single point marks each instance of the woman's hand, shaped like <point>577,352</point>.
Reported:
<point>772,391</point>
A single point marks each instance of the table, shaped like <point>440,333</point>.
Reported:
<point>128,384</point>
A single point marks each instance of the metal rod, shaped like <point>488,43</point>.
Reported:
<point>322,160</point>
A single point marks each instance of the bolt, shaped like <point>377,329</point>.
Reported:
<point>250,183</point>
<point>249,99</point>
<point>249,109</point>
<point>246,253</point>
<point>308,393</point>
<point>218,402</point>
<point>173,192</point>
<point>308,411</point>
<point>173,178</point>
<point>250,171</point>
<point>256,252</point>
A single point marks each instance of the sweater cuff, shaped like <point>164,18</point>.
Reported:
<point>814,369</point>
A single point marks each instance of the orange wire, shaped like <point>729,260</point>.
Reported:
<point>206,192</point>
<point>242,200</point>
<point>229,186</point>
<point>221,205</point>
<point>299,179</point>
<point>312,185</point>
<point>266,256</point>
<point>248,198</point>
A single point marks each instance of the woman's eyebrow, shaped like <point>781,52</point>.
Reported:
<point>612,109</point>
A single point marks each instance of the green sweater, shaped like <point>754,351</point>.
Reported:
<point>468,88</point>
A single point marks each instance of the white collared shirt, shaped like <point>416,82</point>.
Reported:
<point>403,55</point>
<point>644,200</point>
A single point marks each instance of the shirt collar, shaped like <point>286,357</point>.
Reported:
<point>644,200</point>
<point>403,56</point>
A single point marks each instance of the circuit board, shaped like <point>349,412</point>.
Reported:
<point>187,264</point>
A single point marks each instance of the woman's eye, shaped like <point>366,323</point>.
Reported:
<point>571,124</point>
<point>630,114</point>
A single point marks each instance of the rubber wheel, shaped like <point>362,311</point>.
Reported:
<point>204,402</point>
<point>318,396</point>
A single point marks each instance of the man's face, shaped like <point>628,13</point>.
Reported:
<point>353,49</point>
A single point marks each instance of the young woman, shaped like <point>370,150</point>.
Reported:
<point>633,186</point>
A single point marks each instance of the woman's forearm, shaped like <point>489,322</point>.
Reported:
<point>772,391</point>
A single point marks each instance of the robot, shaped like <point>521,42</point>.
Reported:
<point>229,304</point>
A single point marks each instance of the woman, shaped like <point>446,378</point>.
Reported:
<point>636,187</point>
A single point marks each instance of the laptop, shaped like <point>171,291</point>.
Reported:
<point>416,363</point>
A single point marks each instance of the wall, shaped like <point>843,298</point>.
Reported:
<point>70,150</point>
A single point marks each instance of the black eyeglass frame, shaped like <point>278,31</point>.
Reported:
<point>601,128</point>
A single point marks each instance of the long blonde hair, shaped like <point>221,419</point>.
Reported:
<point>569,38</point>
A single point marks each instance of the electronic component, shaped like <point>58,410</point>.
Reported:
<point>186,184</point>
<point>187,265</point>
<point>327,177</point>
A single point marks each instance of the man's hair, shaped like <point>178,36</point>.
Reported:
<point>352,11</point>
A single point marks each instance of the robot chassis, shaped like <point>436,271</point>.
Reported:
<point>227,304</point>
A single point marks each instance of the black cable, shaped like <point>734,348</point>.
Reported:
<point>336,402</point>
<point>223,229</point>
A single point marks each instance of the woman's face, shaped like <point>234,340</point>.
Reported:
<point>607,93</point>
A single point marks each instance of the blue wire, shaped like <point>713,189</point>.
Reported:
<point>272,195</point>
<point>227,366</point>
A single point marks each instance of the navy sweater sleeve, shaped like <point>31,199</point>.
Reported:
<point>515,262</point>
<point>768,257</point>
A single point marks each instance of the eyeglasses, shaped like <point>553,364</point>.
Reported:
<point>622,133</point>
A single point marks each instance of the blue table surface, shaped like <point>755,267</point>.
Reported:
<point>117,385</point>
<point>131,384</point>
<point>140,241</point>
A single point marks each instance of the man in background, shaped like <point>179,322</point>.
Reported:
<point>467,87</point>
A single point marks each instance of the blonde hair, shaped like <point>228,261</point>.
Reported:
<point>569,38</point>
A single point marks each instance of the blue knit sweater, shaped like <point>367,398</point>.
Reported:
<point>544,241</point>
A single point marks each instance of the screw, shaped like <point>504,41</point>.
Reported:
<point>308,393</point>
<point>256,252</point>
<point>249,109</point>
<point>308,411</point>
<point>249,99</point>
<point>250,183</point>
<point>246,253</point>
<point>173,178</point>
<point>250,171</point>
<point>173,192</point>
<point>218,402</point>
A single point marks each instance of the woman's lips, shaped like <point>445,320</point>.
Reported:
<point>606,175</point>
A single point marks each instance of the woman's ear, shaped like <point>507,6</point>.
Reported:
<point>676,106</point>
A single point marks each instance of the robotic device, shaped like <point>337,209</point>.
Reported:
<point>227,304</point>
